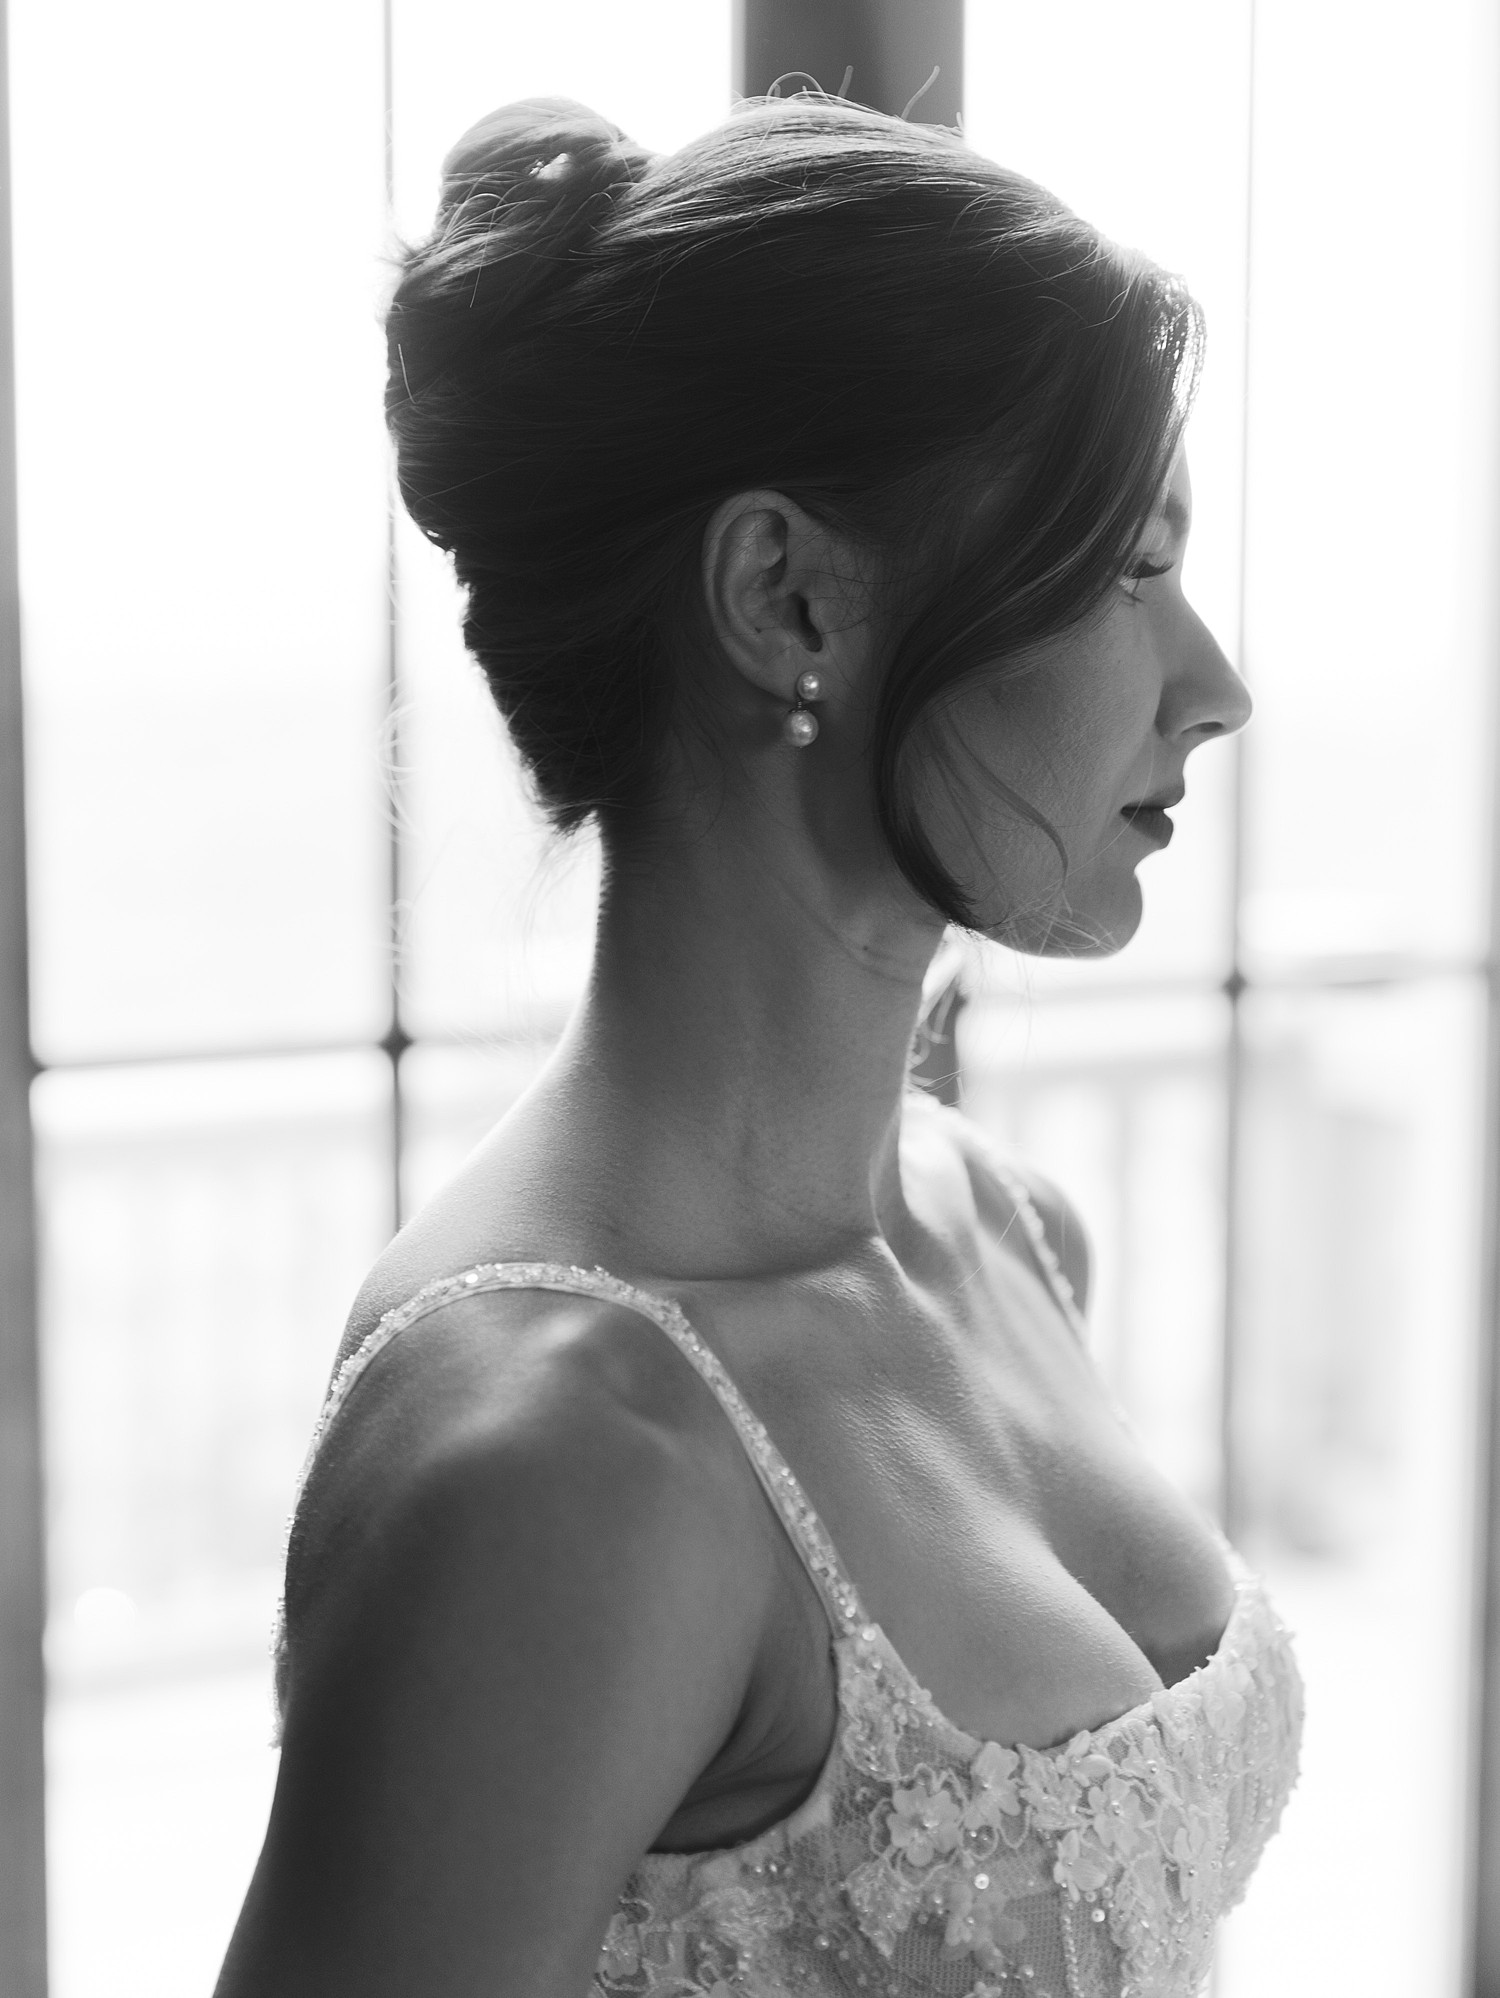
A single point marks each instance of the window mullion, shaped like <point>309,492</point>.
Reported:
<point>23,1942</point>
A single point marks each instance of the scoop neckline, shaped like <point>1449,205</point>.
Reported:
<point>963,1746</point>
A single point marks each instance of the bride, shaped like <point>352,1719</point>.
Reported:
<point>719,1572</point>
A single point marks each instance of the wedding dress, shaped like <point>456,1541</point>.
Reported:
<point>926,1863</point>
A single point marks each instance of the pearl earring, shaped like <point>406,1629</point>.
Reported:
<point>801,724</point>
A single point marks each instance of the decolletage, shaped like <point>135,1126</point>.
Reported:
<point>926,1863</point>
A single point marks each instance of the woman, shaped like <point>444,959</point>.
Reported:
<point>818,496</point>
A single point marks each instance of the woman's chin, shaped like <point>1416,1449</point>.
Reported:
<point>1069,930</point>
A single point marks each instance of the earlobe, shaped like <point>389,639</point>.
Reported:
<point>760,554</point>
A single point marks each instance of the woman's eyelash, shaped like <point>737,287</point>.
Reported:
<point>1140,571</point>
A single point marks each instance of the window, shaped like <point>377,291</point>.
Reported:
<point>249,720</point>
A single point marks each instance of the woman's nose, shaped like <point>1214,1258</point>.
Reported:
<point>1202,695</point>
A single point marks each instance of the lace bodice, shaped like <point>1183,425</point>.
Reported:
<point>926,1863</point>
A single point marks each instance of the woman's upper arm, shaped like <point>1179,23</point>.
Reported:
<point>545,1642</point>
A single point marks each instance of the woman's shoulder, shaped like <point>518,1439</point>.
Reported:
<point>522,1576</point>
<point>993,1172</point>
<point>558,1440</point>
<point>467,1373</point>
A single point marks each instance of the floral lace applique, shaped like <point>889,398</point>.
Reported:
<point>941,1866</point>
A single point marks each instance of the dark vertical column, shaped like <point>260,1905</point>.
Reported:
<point>887,50</point>
<point>23,1934</point>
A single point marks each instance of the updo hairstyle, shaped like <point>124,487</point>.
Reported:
<point>929,354</point>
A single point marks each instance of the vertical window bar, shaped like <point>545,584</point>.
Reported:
<point>1233,1499</point>
<point>396,1040</point>
<point>1483,1885</point>
<point>23,1924</point>
<point>1482,1967</point>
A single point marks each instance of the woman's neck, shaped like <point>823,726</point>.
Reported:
<point>732,1080</point>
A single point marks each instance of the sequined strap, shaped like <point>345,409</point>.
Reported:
<point>806,1530</point>
<point>1041,1246</point>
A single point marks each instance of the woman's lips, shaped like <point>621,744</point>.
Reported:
<point>1150,821</point>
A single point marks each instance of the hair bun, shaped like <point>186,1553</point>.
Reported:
<point>544,156</point>
<point>523,192</point>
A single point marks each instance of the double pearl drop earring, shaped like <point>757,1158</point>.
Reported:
<point>801,724</point>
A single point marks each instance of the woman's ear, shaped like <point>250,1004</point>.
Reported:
<point>775,600</point>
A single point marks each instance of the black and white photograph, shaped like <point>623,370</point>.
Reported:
<point>749,999</point>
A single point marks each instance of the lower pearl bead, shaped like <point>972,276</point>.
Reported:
<point>800,728</point>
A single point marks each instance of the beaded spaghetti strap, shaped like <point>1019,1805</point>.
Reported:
<point>1041,1247</point>
<point>806,1530</point>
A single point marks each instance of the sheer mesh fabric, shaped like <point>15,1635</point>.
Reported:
<point>926,1863</point>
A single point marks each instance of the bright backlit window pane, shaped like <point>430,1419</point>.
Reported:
<point>198,229</point>
<point>205,1228</point>
<point>1371,508</point>
<point>1355,1420</point>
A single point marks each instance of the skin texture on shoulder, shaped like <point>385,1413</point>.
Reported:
<point>525,1603</point>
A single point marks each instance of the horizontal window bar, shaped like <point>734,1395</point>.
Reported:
<point>1342,973</point>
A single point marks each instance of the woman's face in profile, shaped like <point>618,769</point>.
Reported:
<point>1093,735</point>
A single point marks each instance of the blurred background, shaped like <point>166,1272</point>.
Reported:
<point>252,733</point>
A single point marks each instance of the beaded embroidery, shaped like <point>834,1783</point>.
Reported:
<point>926,1863</point>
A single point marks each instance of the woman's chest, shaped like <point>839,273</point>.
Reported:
<point>1034,1571</point>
